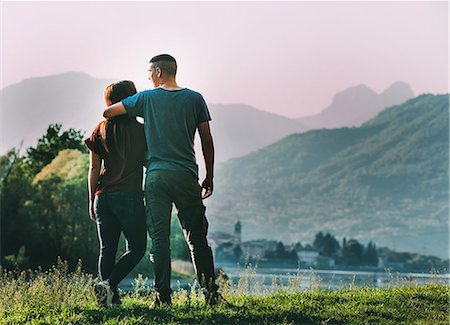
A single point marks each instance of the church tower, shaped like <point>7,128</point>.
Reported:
<point>237,231</point>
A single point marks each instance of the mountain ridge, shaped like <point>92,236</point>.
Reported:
<point>365,182</point>
<point>355,105</point>
<point>75,99</point>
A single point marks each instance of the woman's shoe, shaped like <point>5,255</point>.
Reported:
<point>103,293</point>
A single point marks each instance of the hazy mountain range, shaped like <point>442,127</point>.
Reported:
<point>385,181</point>
<point>27,108</point>
<point>240,129</point>
<point>76,100</point>
<point>356,105</point>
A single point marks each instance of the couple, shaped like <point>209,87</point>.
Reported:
<point>165,145</point>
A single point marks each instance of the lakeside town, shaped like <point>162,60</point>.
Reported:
<point>326,253</point>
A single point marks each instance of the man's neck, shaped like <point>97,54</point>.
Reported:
<point>169,85</point>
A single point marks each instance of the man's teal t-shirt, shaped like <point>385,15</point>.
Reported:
<point>171,118</point>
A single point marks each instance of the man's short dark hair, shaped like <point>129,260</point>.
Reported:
<point>166,63</point>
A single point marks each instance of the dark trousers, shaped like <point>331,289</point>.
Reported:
<point>118,212</point>
<point>162,189</point>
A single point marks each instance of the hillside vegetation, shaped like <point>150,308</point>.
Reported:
<point>385,181</point>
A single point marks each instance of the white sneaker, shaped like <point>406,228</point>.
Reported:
<point>103,293</point>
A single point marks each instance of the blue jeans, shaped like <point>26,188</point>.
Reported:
<point>118,212</point>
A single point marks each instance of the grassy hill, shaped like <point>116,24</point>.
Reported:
<point>385,181</point>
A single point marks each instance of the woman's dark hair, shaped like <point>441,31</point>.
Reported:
<point>113,133</point>
<point>118,91</point>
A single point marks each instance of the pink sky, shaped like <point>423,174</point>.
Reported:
<point>289,58</point>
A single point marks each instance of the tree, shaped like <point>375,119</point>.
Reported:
<point>371,255</point>
<point>57,215</point>
<point>318,241</point>
<point>330,246</point>
<point>326,245</point>
<point>15,189</point>
<point>353,253</point>
<point>280,253</point>
<point>50,144</point>
<point>298,246</point>
<point>18,226</point>
<point>7,162</point>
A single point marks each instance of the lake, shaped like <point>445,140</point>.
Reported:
<point>270,279</point>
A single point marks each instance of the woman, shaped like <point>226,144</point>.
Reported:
<point>115,193</point>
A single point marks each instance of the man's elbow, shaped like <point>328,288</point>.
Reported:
<point>107,113</point>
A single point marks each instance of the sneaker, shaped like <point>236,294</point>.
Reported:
<point>159,301</point>
<point>103,293</point>
<point>116,301</point>
<point>215,298</point>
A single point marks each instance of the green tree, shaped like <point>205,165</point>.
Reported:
<point>318,241</point>
<point>15,188</point>
<point>326,245</point>
<point>371,255</point>
<point>281,253</point>
<point>353,253</point>
<point>57,213</point>
<point>50,144</point>
<point>17,229</point>
<point>6,163</point>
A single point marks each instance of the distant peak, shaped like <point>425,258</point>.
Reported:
<point>67,75</point>
<point>359,87</point>
<point>399,86</point>
<point>62,74</point>
<point>243,108</point>
<point>74,73</point>
<point>397,93</point>
<point>360,90</point>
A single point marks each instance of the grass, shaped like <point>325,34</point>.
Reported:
<point>61,297</point>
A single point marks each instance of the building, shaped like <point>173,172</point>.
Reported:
<point>227,242</point>
<point>307,257</point>
<point>256,249</point>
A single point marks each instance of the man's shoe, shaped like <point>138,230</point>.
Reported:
<point>160,301</point>
<point>215,298</point>
<point>116,301</point>
<point>103,293</point>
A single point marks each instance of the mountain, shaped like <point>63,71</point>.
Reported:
<point>385,181</point>
<point>356,105</point>
<point>76,100</point>
<point>240,129</point>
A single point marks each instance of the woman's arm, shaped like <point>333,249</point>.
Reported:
<point>94,173</point>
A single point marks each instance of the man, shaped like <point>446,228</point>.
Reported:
<point>171,117</point>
